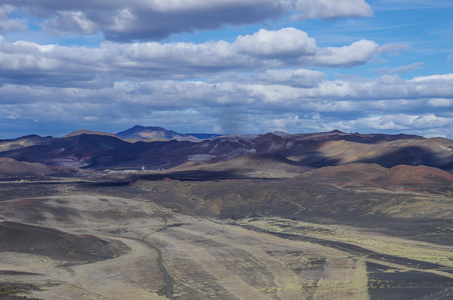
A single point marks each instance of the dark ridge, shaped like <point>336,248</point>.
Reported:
<point>189,176</point>
<point>57,244</point>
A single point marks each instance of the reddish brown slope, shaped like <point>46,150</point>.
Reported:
<point>11,168</point>
<point>414,175</point>
<point>361,175</point>
<point>345,173</point>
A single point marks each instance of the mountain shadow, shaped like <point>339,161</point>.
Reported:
<point>409,155</point>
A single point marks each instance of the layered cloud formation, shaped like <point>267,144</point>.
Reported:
<point>267,79</point>
<point>133,20</point>
<point>263,50</point>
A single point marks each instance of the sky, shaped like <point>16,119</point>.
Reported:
<point>226,66</point>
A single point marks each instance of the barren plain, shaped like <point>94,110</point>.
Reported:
<point>144,237</point>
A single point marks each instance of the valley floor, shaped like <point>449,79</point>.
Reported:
<point>164,253</point>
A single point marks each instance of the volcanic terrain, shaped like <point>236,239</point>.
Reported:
<point>275,216</point>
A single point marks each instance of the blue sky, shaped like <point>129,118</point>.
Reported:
<point>226,66</point>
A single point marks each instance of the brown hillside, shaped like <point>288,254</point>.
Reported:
<point>12,168</point>
<point>345,173</point>
<point>248,165</point>
<point>414,175</point>
<point>23,142</point>
<point>84,131</point>
<point>387,154</point>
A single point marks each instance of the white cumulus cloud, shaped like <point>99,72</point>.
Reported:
<point>287,42</point>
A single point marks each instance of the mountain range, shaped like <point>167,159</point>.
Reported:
<point>155,148</point>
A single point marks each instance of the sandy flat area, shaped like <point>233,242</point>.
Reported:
<point>170,254</point>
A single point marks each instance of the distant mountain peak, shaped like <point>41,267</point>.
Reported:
<point>84,131</point>
<point>281,133</point>
<point>140,133</point>
<point>141,127</point>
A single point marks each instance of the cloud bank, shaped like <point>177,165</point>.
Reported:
<point>133,20</point>
<point>29,63</point>
<point>261,79</point>
<point>266,80</point>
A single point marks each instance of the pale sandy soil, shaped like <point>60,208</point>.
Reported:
<point>180,256</point>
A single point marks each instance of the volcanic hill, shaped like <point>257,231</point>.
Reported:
<point>149,133</point>
<point>310,150</point>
